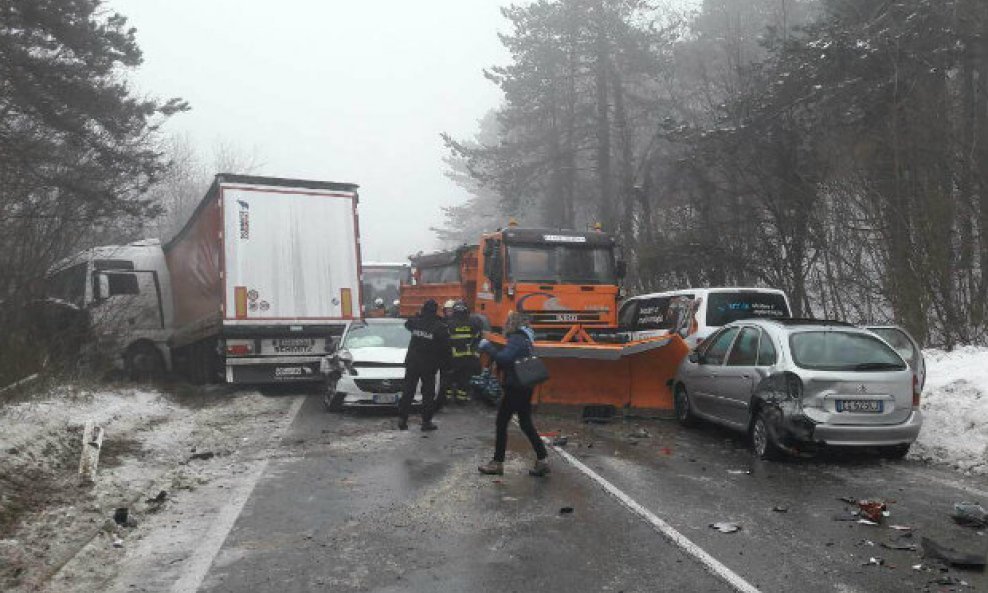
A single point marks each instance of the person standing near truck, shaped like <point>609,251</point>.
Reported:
<point>464,336</point>
<point>517,398</point>
<point>428,351</point>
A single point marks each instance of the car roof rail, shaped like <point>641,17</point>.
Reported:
<point>807,321</point>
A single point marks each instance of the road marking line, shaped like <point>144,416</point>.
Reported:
<point>212,543</point>
<point>668,531</point>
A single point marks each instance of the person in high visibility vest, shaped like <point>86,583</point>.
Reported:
<point>465,333</point>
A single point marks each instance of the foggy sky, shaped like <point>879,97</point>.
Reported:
<point>339,90</point>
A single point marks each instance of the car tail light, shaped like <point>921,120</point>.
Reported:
<point>239,348</point>
<point>916,391</point>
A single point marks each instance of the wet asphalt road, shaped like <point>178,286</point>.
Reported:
<point>353,505</point>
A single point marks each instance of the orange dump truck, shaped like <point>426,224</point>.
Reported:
<point>566,282</point>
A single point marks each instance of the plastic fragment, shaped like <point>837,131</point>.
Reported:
<point>970,513</point>
<point>725,527</point>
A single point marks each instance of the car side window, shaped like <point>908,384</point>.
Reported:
<point>766,352</point>
<point>627,315</point>
<point>717,351</point>
<point>745,350</point>
<point>652,314</point>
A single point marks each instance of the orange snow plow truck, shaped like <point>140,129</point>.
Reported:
<point>566,282</point>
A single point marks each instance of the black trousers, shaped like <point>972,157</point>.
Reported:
<point>464,368</point>
<point>517,400</point>
<point>415,374</point>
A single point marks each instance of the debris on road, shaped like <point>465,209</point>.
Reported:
<point>725,527</point>
<point>951,581</point>
<point>780,509</point>
<point>873,561</point>
<point>560,441</point>
<point>120,516</point>
<point>901,528</point>
<point>745,472</point>
<point>898,546</point>
<point>641,433</point>
<point>117,542</point>
<point>932,549</point>
<point>566,511</point>
<point>970,514</point>
<point>203,456</point>
<point>873,510</point>
<point>847,516</point>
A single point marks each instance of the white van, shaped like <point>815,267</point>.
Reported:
<point>695,313</point>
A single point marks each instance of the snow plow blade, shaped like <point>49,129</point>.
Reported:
<point>632,375</point>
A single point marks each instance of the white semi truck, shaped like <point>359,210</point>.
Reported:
<point>254,289</point>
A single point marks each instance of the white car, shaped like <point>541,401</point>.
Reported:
<point>696,313</point>
<point>373,351</point>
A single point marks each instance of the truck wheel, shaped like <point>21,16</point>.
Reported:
<point>683,408</point>
<point>144,363</point>
<point>762,437</point>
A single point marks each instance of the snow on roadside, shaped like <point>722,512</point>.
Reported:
<point>46,516</point>
<point>955,409</point>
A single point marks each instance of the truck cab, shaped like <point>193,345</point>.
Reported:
<point>383,280</point>
<point>125,291</point>
<point>559,278</point>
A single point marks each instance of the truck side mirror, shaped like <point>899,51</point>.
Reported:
<point>101,287</point>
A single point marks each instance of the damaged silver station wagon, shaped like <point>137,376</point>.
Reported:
<point>795,385</point>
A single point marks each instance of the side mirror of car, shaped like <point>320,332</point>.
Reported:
<point>694,357</point>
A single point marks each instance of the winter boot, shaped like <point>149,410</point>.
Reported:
<point>427,426</point>
<point>494,468</point>
<point>541,469</point>
<point>403,424</point>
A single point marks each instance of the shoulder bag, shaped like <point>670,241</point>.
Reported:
<point>531,371</point>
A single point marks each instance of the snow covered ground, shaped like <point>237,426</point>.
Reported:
<point>955,409</point>
<point>52,528</point>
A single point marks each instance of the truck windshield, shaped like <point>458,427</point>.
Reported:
<point>384,283</point>
<point>561,264</point>
<point>68,285</point>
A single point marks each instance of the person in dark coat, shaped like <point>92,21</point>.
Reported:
<point>517,399</point>
<point>428,351</point>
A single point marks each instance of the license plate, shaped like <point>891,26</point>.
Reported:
<point>385,398</point>
<point>293,346</point>
<point>861,406</point>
